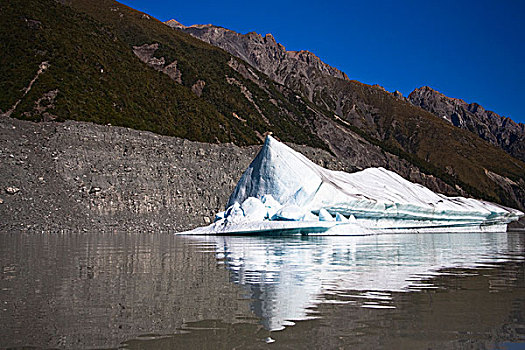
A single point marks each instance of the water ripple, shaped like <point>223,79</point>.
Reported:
<point>287,276</point>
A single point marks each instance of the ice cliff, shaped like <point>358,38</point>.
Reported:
<point>282,191</point>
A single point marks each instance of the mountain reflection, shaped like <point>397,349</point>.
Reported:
<point>287,276</point>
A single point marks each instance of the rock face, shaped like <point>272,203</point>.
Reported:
<point>76,176</point>
<point>498,130</point>
<point>265,54</point>
<point>198,87</point>
<point>145,54</point>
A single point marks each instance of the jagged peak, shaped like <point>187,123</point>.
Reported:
<point>253,34</point>
<point>398,94</point>
<point>269,36</point>
<point>176,24</point>
<point>268,39</point>
<point>379,87</point>
<point>424,88</point>
<point>434,91</point>
<point>305,53</point>
<point>308,56</point>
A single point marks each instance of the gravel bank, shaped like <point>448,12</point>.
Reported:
<point>74,176</point>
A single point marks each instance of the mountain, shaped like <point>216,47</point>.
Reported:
<point>498,130</point>
<point>103,62</point>
<point>386,120</point>
<point>301,70</point>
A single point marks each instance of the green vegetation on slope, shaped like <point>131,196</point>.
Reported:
<point>89,47</point>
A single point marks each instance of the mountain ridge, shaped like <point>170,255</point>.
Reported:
<point>498,130</point>
<point>382,118</point>
<point>279,51</point>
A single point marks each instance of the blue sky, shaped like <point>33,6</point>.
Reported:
<point>473,50</point>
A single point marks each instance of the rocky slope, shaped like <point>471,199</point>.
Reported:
<point>301,70</point>
<point>383,119</point>
<point>265,54</point>
<point>498,130</point>
<point>77,176</point>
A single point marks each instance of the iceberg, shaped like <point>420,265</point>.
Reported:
<point>283,192</point>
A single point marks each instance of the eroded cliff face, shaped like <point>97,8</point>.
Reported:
<point>77,176</point>
<point>498,130</point>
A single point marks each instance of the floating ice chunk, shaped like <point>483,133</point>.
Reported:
<point>254,209</point>
<point>234,210</point>
<point>269,201</point>
<point>324,215</point>
<point>375,200</point>
<point>309,216</point>
<point>290,213</point>
<point>234,214</point>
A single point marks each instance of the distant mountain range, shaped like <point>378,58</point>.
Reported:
<point>300,69</point>
<point>104,62</point>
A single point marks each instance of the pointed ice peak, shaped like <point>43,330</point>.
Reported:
<point>279,171</point>
<point>271,141</point>
<point>292,179</point>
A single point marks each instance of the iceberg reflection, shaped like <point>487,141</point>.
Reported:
<point>287,276</point>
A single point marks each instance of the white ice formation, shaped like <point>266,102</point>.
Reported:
<point>283,192</point>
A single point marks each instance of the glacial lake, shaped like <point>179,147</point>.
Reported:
<point>160,291</point>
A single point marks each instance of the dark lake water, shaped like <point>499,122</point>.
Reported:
<point>159,291</point>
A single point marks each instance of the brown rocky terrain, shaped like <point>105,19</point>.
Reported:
<point>353,117</point>
<point>498,130</point>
